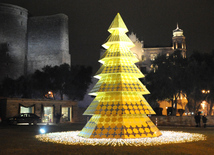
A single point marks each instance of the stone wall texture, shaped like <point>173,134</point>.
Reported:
<point>30,43</point>
<point>13,40</point>
<point>187,121</point>
<point>47,41</point>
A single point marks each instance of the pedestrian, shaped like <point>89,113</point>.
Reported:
<point>198,119</point>
<point>204,119</point>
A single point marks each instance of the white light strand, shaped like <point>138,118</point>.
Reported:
<point>167,137</point>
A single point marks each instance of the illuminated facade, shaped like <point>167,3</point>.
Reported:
<point>119,109</point>
<point>178,41</point>
<point>181,104</point>
<point>48,110</point>
<point>147,55</point>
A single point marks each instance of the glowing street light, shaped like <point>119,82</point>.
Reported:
<point>49,94</point>
<point>205,91</point>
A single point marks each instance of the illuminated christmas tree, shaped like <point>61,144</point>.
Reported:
<point>119,109</point>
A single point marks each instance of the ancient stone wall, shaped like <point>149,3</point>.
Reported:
<point>13,40</point>
<point>187,121</point>
<point>47,41</point>
<point>28,44</point>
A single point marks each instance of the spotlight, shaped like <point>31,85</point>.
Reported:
<point>42,130</point>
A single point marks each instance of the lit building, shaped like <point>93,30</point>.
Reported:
<point>147,55</point>
<point>181,104</point>
<point>48,110</point>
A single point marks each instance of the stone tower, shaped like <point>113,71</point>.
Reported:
<point>13,40</point>
<point>48,42</point>
<point>30,43</point>
<point>178,41</point>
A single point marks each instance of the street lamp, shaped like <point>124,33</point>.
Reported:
<point>205,91</point>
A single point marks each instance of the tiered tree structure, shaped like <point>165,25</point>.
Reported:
<point>119,109</point>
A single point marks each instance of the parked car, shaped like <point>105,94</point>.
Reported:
<point>25,118</point>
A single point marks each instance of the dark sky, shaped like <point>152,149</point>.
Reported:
<point>152,21</point>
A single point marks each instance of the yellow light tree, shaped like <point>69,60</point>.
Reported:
<point>119,109</point>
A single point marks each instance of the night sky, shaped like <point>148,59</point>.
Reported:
<point>151,20</point>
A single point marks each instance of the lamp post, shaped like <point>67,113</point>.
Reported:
<point>205,91</point>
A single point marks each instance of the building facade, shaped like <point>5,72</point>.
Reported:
<point>147,55</point>
<point>30,43</point>
<point>48,110</point>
